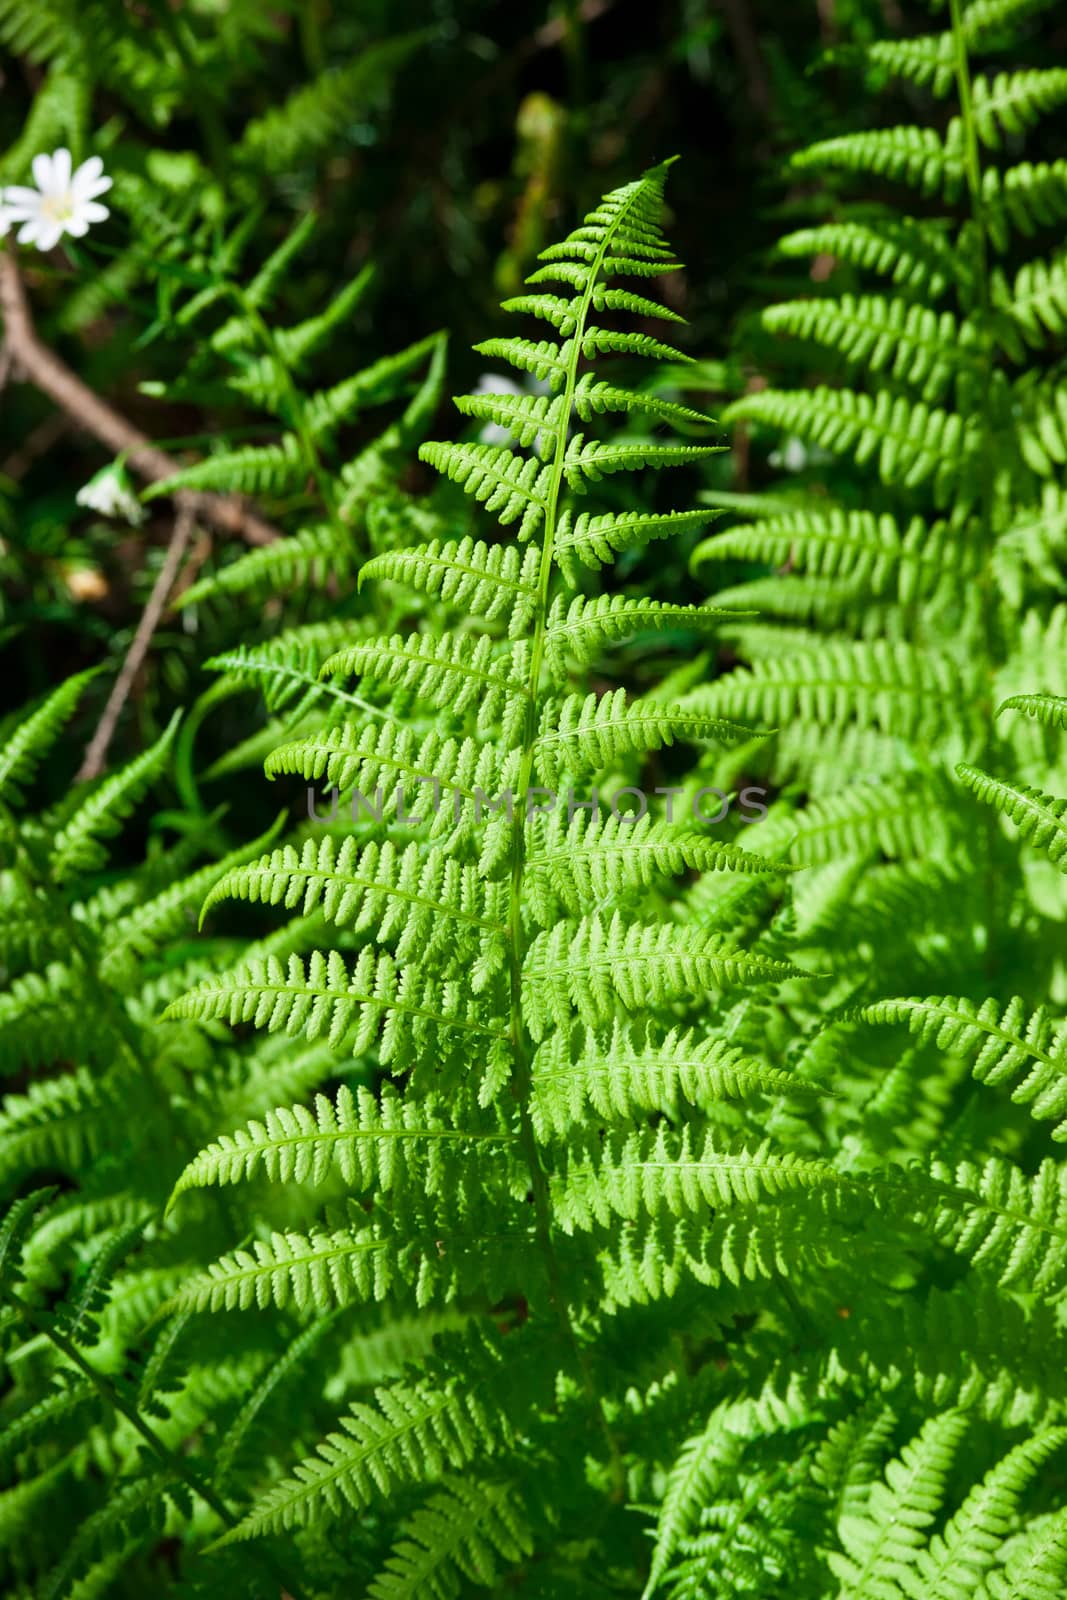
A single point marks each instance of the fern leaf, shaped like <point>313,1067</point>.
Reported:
<point>313,117</point>
<point>603,963</point>
<point>1047,708</point>
<point>913,443</point>
<point>419,1016</point>
<point>412,1432</point>
<point>914,345</point>
<point>914,156</point>
<point>659,1170</point>
<point>592,858</point>
<point>78,847</point>
<point>883,1537</point>
<point>268,469</point>
<point>595,540</point>
<point>893,688</point>
<point>511,488</point>
<point>917,255</point>
<point>452,672</point>
<point>28,744</point>
<point>1006,1223</point>
<point>631,1069</point>
<point>357,1136</point>
<point>1040,818</point>
<point>463,1531</point>
<point>1002,1044</point>
<point>585,627</point>
<point>490,581</point>
<point>590,733</point>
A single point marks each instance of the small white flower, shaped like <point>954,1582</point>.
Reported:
<point>63,201</point>
<point>5,220</point>
<point>111,493</point>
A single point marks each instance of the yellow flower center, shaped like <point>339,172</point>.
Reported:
<point>58,207</point>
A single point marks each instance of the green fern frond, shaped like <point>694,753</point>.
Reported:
<point>917,255</point>
<point>309,558</point>
<point>1023,199</point>
<point>314,116</point>
<point>27,745</point>
<point>592,858</point>
<point>455,674</point>
<point>356,1136</point>
<point>883,1538</point>
<point>1047,708</point>
<point>601,963</point>
<point>506,485</point>
<point>79,845</point>
<point>327,1000</point>
<point>914,156</point>
<point>490,581</point>
<point>872,550</point>
<point>1005,1223</point>
<point>465,1530</point>
<point>634,1068</point>
<point>266,469</point>
<point>893,688</point>
<point>413,897</point>
<point>1040,818</point>
<point>593,397</point>
<point>412,1433</point>
<point>1012,102</point>
<point>587,733</point>
<point>1036,1568</point>
<point>956,1561</point>
<point>583,628</point>
<point>1002,1043</point>
<point>661,1170</point>
<point>595,540</point>
<point>912,443</point>
<point>928,62</point>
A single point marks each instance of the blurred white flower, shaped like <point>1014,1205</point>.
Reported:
<point>63,201</point>
<point>5,220</point>
<point>111,493</point>
<point>793,457</point>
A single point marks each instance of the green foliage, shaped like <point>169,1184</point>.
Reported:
<point>519,1181</point>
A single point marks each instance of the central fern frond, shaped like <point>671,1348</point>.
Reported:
<point>511,960</point>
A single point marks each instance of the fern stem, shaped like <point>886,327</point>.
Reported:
<point>973,167</point>
<point>522,1078</point>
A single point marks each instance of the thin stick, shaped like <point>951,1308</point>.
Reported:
<point>34,362</point>
<point>96,754</point>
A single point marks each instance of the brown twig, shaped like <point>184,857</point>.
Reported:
<point>96,753</point>
<point>34,362</point>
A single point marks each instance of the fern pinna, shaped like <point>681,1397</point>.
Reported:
<point>545,1155</point>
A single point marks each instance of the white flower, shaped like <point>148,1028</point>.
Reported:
<point>5,220</point>
<point>111,493</point>
<point>63,201</point>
